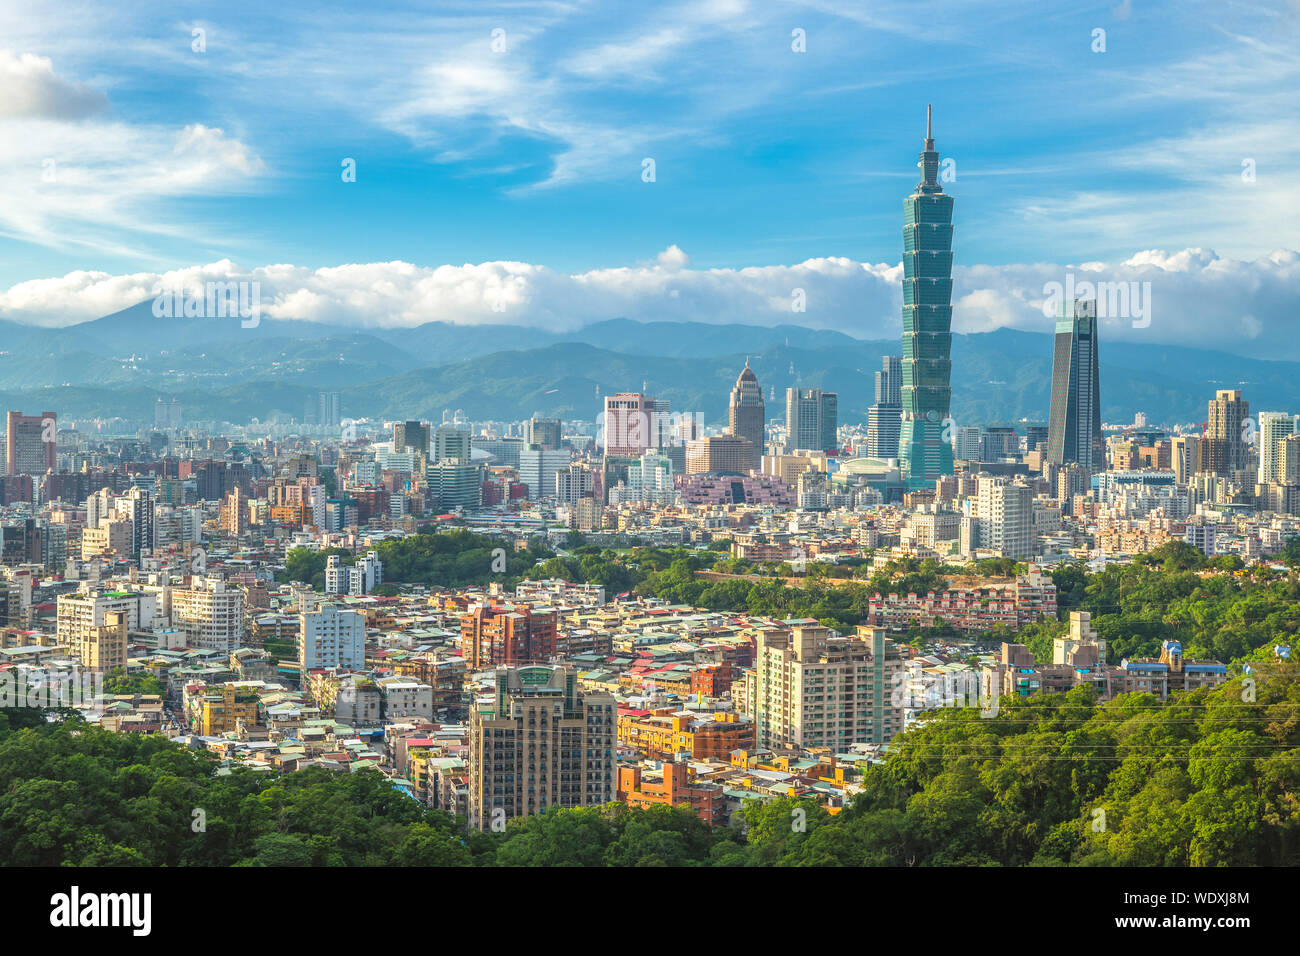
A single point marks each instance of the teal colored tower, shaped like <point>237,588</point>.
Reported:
<point>924,450</point>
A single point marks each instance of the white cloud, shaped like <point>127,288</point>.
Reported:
<point>1196,296</point>
<point>30,88</point>
<point>76,177</point>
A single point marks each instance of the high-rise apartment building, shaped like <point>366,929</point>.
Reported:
<point>745,415</point>
<point>1185,457</point>
<point>362,577</point>
<point>331,637</point>
<point>538,742</point>
<point>1224,450</point>
<point>507,634</point>
<point>210,613</point>
<point>31,443</point>
<point>811,419</point>
<point>885,416</point>
<point>923,453</point>
<point>103,648</point>
<point>574,482</point>
<point>84,610</point>
<point>808,688</point>
<point>1274,428</point>
<point>1289,460</point>
<point>1074,431</point>
<point>1006,517</point>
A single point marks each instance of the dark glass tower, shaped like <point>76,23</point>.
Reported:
<point>923,453</point>
<point>1074,432</point>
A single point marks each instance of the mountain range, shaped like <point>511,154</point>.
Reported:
<point>118,365</point>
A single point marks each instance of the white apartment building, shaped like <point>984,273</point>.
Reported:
<point>1006,518</point>
<point>361,578</point>
<point>209,613</point>
<point>332,636</point>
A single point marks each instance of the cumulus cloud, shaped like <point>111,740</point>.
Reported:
<point>1189,297</point>
<point>30,88</point>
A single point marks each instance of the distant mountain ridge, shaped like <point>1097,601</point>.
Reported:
<point>119,364</point>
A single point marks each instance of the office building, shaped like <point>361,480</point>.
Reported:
<point>1185,457</point>
<point>720,454</point>
<point>923,453</point>
<point>634,422</point>
<point>745,416</point>
<point>966,443</point>
<point>1074,431</point>
<point>31,443</point>
<point>885,416</point>
<point>809,688</point>
<point>412,435</point>
<point>537,742</point>
<point>811,420</point>
<point>450,444</point>
<point>545,432</point>
<point>455,483</point>
<point>538,467</point>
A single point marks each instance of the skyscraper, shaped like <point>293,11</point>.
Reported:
<point>746,412</point>
<point>923,453</point>
<point>885,417</point>
<point>31,443</point>
<point>545,432</point>
<point>1074,431</point>
<point>1224,449</point>
<point>411,435</point>
<point>634,422</point>
<point>811,419</point>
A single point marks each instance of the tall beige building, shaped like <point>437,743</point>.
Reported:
<point>720,454</point>
<point>810,689</point>
<point>210,613</point>
<point>537,743</point>
<point>104,647</point>
<point>1185,457</point>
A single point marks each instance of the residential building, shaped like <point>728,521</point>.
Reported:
<point>538,742</point>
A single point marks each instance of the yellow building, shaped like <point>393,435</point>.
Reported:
<point>224,707</point>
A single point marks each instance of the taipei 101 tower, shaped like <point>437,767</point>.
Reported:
<point>924,454</point>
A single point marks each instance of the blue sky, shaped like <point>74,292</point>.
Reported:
<point>129,154</point>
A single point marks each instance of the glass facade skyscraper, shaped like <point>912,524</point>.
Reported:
<point>1074,431</point>
<point>923,452</point>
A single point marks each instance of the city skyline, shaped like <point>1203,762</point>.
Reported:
<point>458,209</point>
